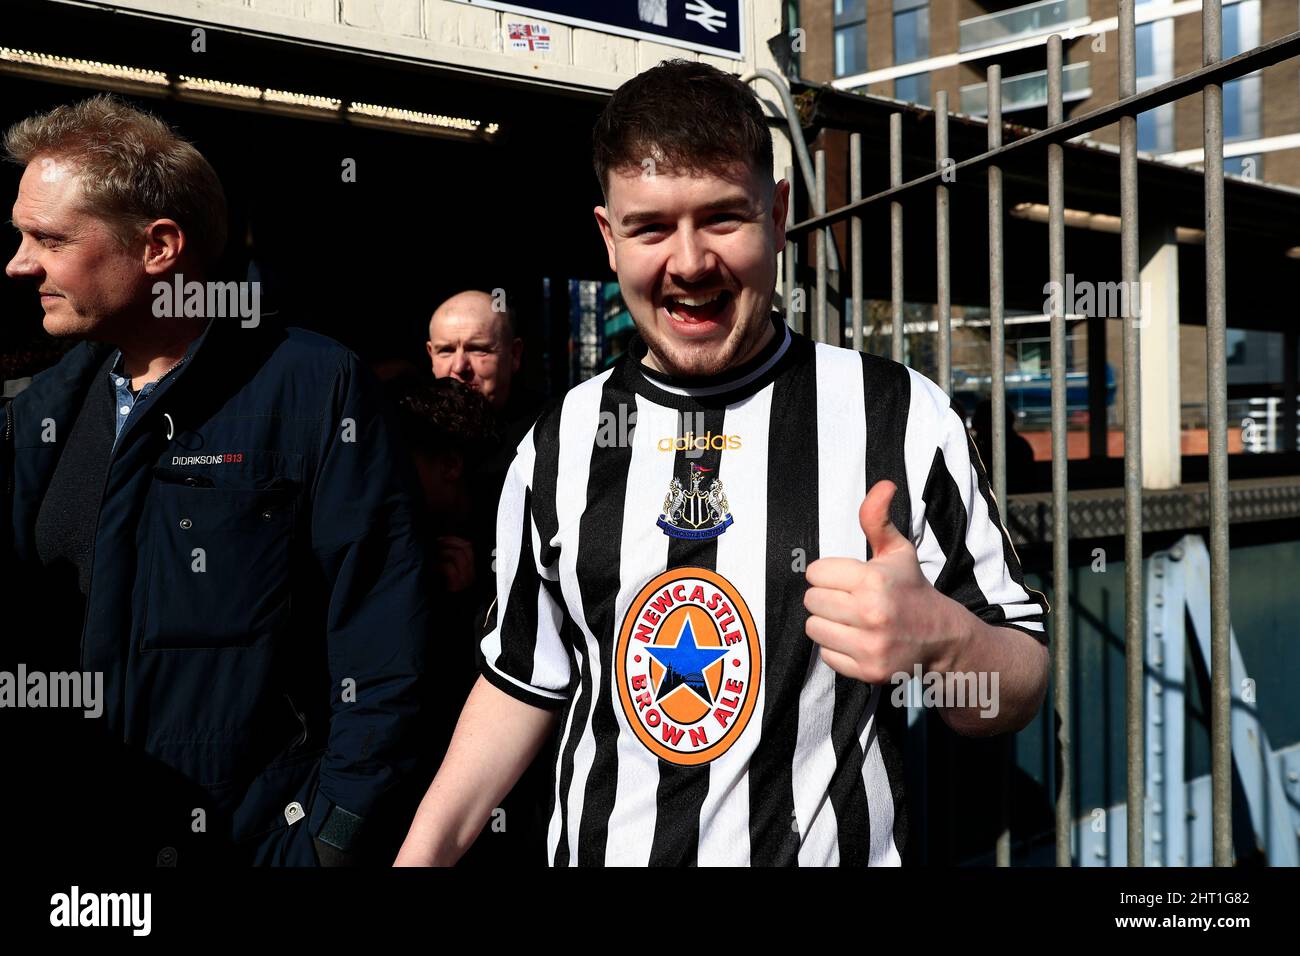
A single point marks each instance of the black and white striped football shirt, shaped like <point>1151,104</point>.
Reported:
<point>651,543</point>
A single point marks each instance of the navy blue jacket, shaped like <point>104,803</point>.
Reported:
<point>286,669</point>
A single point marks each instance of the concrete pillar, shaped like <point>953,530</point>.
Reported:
<point>1161,391</point>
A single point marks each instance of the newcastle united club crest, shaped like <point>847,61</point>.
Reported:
<point>697,513</point>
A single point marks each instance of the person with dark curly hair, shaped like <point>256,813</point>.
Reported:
<point>452,431</point>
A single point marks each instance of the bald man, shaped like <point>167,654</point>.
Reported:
<point>472,338</point>
<point>474,342</point>
<point>471,341</point>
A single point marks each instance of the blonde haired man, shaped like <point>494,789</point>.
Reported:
<point>204,512</point>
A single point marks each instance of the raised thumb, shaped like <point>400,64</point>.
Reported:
<point>881,534</point>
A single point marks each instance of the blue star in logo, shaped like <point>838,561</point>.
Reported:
<point>684,663</point>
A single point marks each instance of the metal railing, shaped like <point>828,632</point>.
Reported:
<point>1027,90</point>
<point>1208,80</point>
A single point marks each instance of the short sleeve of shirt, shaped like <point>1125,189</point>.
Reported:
<point>524,653</point>
<point>961,542</point>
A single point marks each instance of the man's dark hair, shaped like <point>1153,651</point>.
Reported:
<point>439,416</point>
<point>687,117</point>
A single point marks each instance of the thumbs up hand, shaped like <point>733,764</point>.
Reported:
<point>875,618</point>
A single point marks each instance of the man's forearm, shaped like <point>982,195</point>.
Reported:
<point>496,739</point>
<point>1021,664</point>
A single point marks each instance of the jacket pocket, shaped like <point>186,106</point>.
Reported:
<point>219,563</point>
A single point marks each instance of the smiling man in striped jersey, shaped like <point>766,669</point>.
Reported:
<point>709,627</point>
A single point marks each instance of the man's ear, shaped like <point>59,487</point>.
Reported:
<point>164,243</point>
<point>780,208</point>
<point>606,233</point>
<point>428,347</point>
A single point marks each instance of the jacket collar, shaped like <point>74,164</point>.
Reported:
<point>58,392</point>
<point>166,384</point>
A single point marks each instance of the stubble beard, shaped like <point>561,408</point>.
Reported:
<point>706,359</point>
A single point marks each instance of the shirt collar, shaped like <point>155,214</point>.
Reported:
<point>743,378</point>
<point>115,367</point>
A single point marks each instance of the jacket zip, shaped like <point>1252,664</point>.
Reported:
<point>302,740</point>
<point>90,575</point>
<point>8,437</point>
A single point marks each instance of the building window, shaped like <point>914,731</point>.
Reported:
<point>913,89</point>
<point>911,30</point>
<point>850,37</point>
<point>1155,65</point>
<point>1241,97</point>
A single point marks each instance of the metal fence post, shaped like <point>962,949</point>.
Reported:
<point>897,349</point>
<point>1060,455</point>
<point>998,386</point>
<point>824,237</point>
<point>1217,395</point>
<point>855,236</point>
<point>942,249</point>
<point>791,255</point>
<point>1130,275</point>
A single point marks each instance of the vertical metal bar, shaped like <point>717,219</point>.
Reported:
<point>823,237</point>
<point>941,252</point>
<point>855,235</point>
<point>791,318</point>
<point>1134,611</point>
<point>943,315</point>
<point>998,360</point>
<point>1216,322</point>
<point>897,350</point>
<point>1060,451</point>
<point>997,328</point>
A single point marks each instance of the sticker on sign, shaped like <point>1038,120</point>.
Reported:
<point>716,27</point>
<point>533,37</point>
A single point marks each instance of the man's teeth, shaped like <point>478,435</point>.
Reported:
<point>696,301</point>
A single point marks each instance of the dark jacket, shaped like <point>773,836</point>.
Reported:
<point>256,602</point>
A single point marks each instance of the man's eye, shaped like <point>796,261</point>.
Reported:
<point>726,217</point>
<point>649,227</point>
